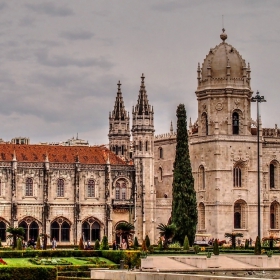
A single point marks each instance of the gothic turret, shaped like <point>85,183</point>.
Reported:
<point>119,134</point>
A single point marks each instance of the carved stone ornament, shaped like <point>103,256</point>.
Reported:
<point>219,106</point>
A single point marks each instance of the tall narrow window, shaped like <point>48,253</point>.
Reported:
<point>204,124</point>
<point>117,149</point>
<point>274,215</point>
<point>146,146</point>
<point>272,176</point>
<point>240,209</point>
<point>60,187</point>
<point>237,180</point>
<point>201,216</point>
<point>29,187</point>
<point>65,232</point>
<point>117,190</point>
<point>235,123</point>
<point>201,178</point>
<point>91,230</point>
<point>91,188</point>
<point>123,191</point>
<point>140,146</point>
<point>160,174</point>
<point>60,230</point>
<point>160,152</point>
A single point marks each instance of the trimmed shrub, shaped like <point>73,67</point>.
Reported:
<point>186,245</point>
<point>147,241</point>
<point>0,243</point>
<point>38,243</point>
<point>246,244</point>
<point>19,244</point>
<point>216,250</point>
<point>30,273</point>
<point>196,249</point>
<point>104,243</point>
<point>96,245</point>
<point>135,244</point>
<point>258,247</point>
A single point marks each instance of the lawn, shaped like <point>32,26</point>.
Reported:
<point>26,262</point>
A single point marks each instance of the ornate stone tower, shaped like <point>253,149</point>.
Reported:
<point>143,143</point>
<point>223,145</point>
<point>119,131</point>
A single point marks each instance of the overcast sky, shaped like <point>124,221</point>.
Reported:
<point>60,61</point>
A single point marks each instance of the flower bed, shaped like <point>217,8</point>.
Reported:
<point>40,261</point>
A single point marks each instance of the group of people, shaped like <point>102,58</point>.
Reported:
<point>122,246</point>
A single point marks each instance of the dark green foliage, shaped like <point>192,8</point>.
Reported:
<point>96,245</point>
<point>38,243</point>
<point>135,244</point>
<point>19,244</point>
<point>232,236</point>
<point>125,230</point>
<point>0,243</point>
<point>104,243</point>
<point>144,247</point>
<point>148,243</point>
<point>196,249</point>
<point>30,273</point>
<point>166,231</point>
<point>186,245</point>
<point>184,206</point>
<point>246,244</point>
<point>15,233</point>
<point>258,247</point>
<point>216,250</point>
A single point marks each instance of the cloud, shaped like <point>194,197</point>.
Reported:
<point>79,35</point>
<point>64,61</point>
<point>170,6</point>
<point>3,5</point>
<point>50,9</point>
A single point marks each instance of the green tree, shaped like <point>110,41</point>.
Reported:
<point>38,243</point>
<point>216,250</point>
<point>166,231</point>
<point>258,246</point>
<point>97,245</point>
<point>135,244</point>
<point>19,244</point>
<point>104,243</point>
<point>15,232</point>
<point>0,242</point>
<point>232,236</point>
<point>184,206</point>
<point>125,230</point>
<point>186,245</point>
<point>148,242</point>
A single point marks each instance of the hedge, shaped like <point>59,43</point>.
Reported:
<point>30,273</point>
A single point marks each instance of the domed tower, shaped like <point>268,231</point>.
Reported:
<point>119,132</point>
<point>143,144</point>
<point>223,145</point>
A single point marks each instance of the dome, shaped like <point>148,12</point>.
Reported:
<point>224,63</point>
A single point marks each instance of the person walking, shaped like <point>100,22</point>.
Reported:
<point>53,243</point>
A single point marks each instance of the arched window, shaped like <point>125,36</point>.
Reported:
<point>91,188</point>
<point>160,174</point>
<point>273,175</point>
<point>60,187</point>
<point>91,230</point>
<point>140,146</point>
<point>160,150</point>
<point>121,189</point>
<point>240,212</point>
<point>31,228</point>
<point>201,178</point>
<point>274,215</point>
<point>235,123</point>
<point>237,179</point>
<point>146,146</point>
<point>29,187</point>
<point>3,228</point>
<point>60,230</point>
<point>204,124</point>
<point>201,216</point>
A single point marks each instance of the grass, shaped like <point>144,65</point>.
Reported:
<point>26,262</point>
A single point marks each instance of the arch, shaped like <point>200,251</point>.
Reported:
<point>237,176</point>
<point>204,123</point>
<point>3,228</point>
<point>60,187</point>
<point>91,229</point>
<point>201,216</point>
<point>29,187</point>
<point>274,215</point>
<point>240,214</point>
<point>31,228</point>
<point>273,174</point>
<point>121,189</point>
<point>60,229</point>
<point>201,177</point>
<point>91,188</point>
<point>235,123</point>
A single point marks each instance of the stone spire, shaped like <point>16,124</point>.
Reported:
<point>171,128</point>
<point>119,112</point>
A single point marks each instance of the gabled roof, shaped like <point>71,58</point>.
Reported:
<point>59,154</point>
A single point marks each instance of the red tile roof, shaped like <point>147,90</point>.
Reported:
<point>62,154</point>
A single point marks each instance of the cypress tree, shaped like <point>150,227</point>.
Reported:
<point>97,245</point>
<point>147,240</point>
<point>136,244</point>
<point>19,244</point>
<point>184,206</point>
<point>186,244</point>
<point>258,246</point>
<point>216,249</point>
<point>104,243</point>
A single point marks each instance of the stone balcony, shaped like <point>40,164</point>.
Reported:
<point>123,203</point>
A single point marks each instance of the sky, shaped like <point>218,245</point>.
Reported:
<point>60,61</point>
